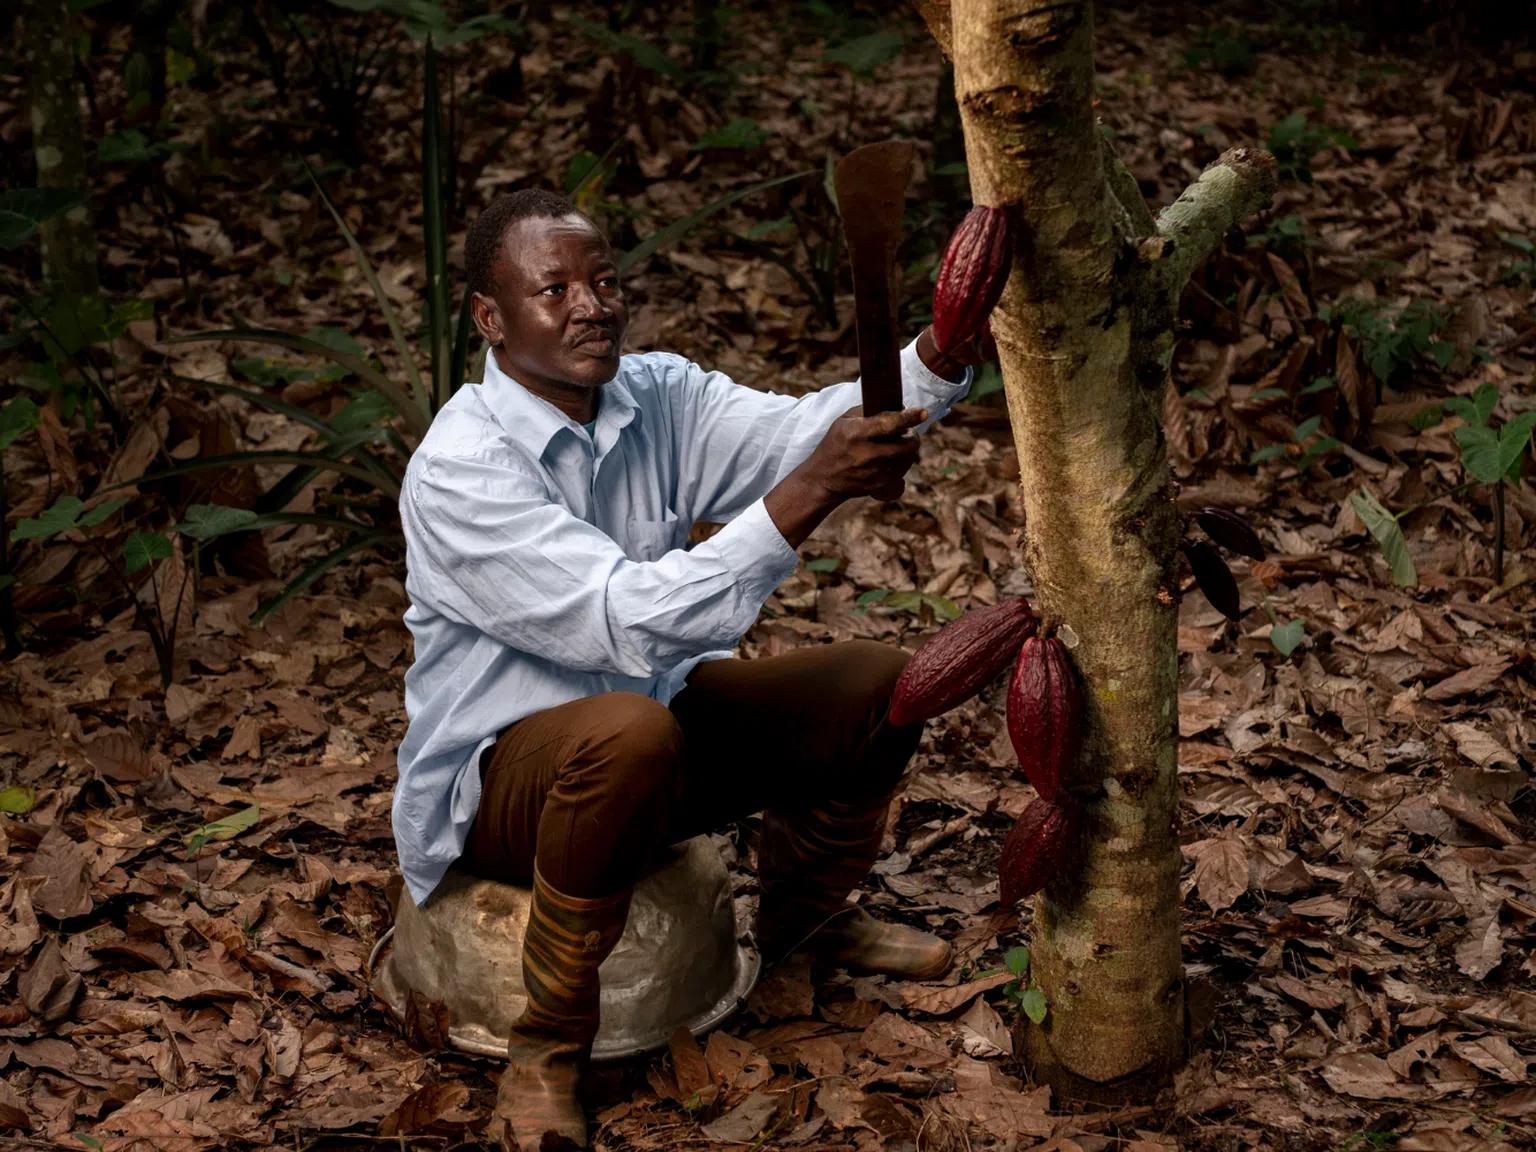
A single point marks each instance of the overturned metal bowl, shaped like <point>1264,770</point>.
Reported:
<point>679,961</point>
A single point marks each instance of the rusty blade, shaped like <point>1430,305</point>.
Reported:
<point>871,186</point>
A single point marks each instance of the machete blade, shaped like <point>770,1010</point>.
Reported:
<point>871,185</point>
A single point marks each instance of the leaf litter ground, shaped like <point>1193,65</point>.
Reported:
<point>187,911</point>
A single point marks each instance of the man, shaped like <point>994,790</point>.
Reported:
<point>573,705</point>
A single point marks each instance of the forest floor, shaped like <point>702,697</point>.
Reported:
<point>1357,817</point>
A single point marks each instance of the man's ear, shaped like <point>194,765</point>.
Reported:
<point>487,317</point>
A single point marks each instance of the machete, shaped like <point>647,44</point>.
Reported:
<point>871,186</point>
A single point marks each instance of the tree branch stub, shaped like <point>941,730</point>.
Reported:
<point>1241,182</point>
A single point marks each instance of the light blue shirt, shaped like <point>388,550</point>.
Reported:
<point>544,565</point>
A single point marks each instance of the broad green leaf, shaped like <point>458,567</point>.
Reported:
<point>1287,637</point>
<point>144,548</point>
<point>1269,394</point>
<point>102,512</point>
<point>823,564</point>
<point>943,607</point>
<point>23,209</point>
<point>1034,1005</point>
<point>676,230</point>
<point>16,419</point>
<point>225,828</point>
<point>51,521</point>
<point>1514,436</point>
<point>205,521</point>
<point>362,411</point>
<point>1485,399</point>
<point>904,601</point>
<point>18,799</point>
<point>1016,960</point>
<point>1268,452</point>
<point>873,596</point>
<point>1321,384</point>
<point>1388,533</point>
<point>1306,428</point>
<point>1479,453</point>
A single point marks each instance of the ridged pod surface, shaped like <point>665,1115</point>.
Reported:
<point>1214,577</point>
<point>1231,531</point>
<point>960,659</point>
<point>1041,846</point>
<point>1045,713</point>
<point>971,275</point>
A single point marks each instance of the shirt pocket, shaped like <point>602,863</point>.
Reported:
<point>652,539</point>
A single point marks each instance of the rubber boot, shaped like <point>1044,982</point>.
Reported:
<point>808,863</point>
<point>550,1044</point>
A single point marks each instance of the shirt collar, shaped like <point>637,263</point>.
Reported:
<point>535,421</point>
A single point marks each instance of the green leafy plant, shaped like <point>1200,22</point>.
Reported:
<point>69,337</point>
<point>1284,636</point>
<point>1024,998</point>
<point>1491,453</point>
<point>1393,338</point>
<point>1308,445</point>
<point>907,601</point>
<point>1286,237</point>
<point>1294,141</point>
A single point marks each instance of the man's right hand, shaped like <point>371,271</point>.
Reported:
<point>858,456</point>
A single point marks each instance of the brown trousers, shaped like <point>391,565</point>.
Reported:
<point>594,788</point>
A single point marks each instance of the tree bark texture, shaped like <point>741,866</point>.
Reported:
<point>1085,335</point>
<point>58,142</point>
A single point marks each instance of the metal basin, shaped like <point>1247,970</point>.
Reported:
<point>679,961</point>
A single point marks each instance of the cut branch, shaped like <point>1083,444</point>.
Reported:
<point>1240,183</point>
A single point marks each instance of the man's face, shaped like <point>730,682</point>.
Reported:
<point>557,313</point>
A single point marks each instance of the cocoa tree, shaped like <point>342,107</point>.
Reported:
<point>1084,331</point>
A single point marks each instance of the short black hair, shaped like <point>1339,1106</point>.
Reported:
<point>483,243</point>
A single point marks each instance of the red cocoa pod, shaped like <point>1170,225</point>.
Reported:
<point>960,659</point>
<point>1041,846</point>
<point>1045,713</point>
<point>1231,531</point>
<point>1214,577</point>
<point>971,275</point>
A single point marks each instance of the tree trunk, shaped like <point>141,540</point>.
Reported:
<point>58,142</point>
<point>1085,335</point>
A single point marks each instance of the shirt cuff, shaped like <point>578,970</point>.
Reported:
<point>752,546</point>
<point>922,387</point>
